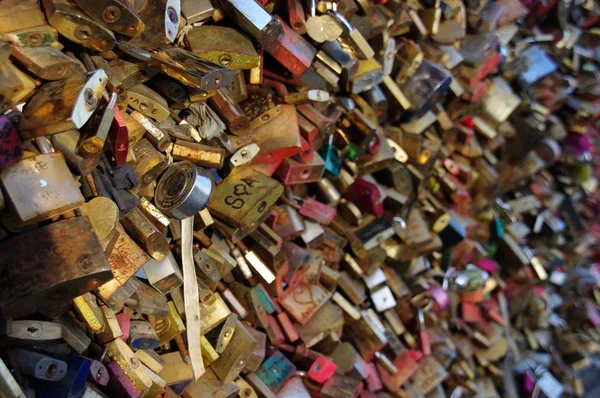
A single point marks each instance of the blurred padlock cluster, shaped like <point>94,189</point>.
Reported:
<point>299,198</point>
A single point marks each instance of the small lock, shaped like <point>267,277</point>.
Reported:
<point>77,26</point>
<point>222,46</point>
<point>36,36</point>
<point>184,66</point>
<point>39,366</point>
<point>255,20</point>
<point>161,23</point>
<point>164,275</point>
<point>276,370</point>
<point>147,162</point>
<point>116,15</point>
<point>229,365</point>
<point>119,351</point>
<point>54,108</point>
<point>183,190</point>
<point>143,336</point>
<point>47,63</point>
<point>146,234</point>
<point>17,15</point>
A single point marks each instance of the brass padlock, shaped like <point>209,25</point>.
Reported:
<point>147,162</point>
<point>78,27</point>
<point>47,63</point>
<point>222,46</point>
<point>116,15</point>
<point>62,105</point>
<point>42,35</point>
<point>20,14</point>
<point>161,20</point>
<point>244,198</point>
<point>69,246</point>
<point>184,66</point>
<point>40,187</point>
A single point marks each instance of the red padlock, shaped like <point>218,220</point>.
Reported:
<point>321,369</point>
<point>294,52</point>
<point>317,211</point>
<point>118,138</point>
<point>366,197</point>
<point>124,321</point>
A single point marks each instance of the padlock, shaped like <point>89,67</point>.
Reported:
<point>78,27</point>
<point>235,356</point>
<point>120,352</point>
<point>303,300</point>
<point>235,118</point>
<point>222,46</point>
<point>341,386</point>
<point>11,148</point>
<point>16,85</point>
<point>119,383</point>
<point>39,366</point>
<point>164,275</point>
<point>147,162</point>
<point>87,308</point>
<point>244,198</point>
<point>98,126</point>
<point>146,300</point>
<point>92,269</point>
<point>71,103</point>
<point>353,37</point>
<point>275,371</point>
<point>112,329</point>
<point>118,16</point>
<point>161,23</point>
<point>73,382</point>
<point>183,190</point>
<point>182,65</point>
<point>35,36</point>
<point>146,234</point>
<point>17,15</point>
<point>197,10</point>
<point>147,102</point>
<point>47,63</point>
<point>126,258</point>
<point>255,20</point>
<point>142,336</point>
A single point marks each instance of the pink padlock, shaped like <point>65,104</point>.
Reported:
<point>124,321</point>
<point>374,382</point>
<point>440,296</point>
<point>487,264</point>
<point>321,369</point>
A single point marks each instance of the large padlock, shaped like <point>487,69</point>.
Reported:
<point>116,15</point>
<point>75,25</point>
<point>62,105</point>
<point>68,259</point>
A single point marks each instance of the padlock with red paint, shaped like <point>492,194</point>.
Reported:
<point>293,51</point>
<point>124,321</point>
<point>321,369</point>
<point>118,138</point>
<point>366,196</point>
<point>317,211</point>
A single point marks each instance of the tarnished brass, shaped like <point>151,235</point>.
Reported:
<point>116,15</point>
<point>222,46</point>
<point>62,105</point>
<point>77,26</point>
<point>47,63</point>
<point>67,259</point>
<point>244,197</point>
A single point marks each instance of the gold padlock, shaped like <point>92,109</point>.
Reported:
<point>47,63</point>
<point>244,198</point>
<point>62,105</point>
<point>77,26</point>
<point>41,187</point>
<point>222,46</point>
